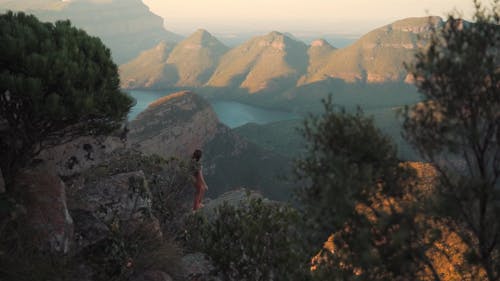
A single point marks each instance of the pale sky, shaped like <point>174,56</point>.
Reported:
<point>328,16</point>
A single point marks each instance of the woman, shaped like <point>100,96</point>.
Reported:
<point>199,181</point>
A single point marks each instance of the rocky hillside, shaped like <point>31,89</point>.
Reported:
<point>189,63</point>
<point>174,125</point>
<point>112,216</point>
<point>179,123</point>
<point>127,27</point>
<point>318,51</point>
<point>154,72</point>
<point>267,62</point>
<point>196,58</point>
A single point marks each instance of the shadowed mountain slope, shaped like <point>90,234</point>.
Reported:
<point>187,64</point>
<point>149,69</point>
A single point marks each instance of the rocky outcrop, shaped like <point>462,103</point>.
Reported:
<point>80,154</point>
<point>42,194</point>
<point>175,125</point>
<point>120,198</point>
<point>179,123</point>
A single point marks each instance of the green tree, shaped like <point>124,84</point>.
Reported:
<point>457,128</point>
<point>56,83</point>
<point>355,190</point>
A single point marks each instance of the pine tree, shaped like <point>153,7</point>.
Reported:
<point>56,83</point>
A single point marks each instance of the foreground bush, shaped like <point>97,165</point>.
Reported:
<point>254,241</point>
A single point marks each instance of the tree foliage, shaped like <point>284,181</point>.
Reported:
<point>383,225</point>
<point>355,192</point>
<point>56,82</point>
<point>457,128</point>
<point>255,241</point>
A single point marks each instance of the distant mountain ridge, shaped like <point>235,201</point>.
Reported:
<point>278,62</point>
<point>376,57</point>
<point>261,63</point>
<point>127,27</point>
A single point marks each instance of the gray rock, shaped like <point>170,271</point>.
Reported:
<point>152,275</point>
<point>123,198</point>
<point>44,199</point>
<point>198,267</point>
<point>80,154</point>
<point>88,229</point>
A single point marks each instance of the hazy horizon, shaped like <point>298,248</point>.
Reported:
<point>314,17</point>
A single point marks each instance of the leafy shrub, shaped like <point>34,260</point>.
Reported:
<point>125,253</point>
<point>254,241</point>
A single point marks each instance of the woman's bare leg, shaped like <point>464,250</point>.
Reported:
<point>202,194</point>
<point>197,199</point>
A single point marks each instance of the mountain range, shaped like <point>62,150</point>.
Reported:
<point>274,70</point>
<point>278,61</point>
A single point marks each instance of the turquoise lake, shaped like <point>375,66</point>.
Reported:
<point>233,114</point>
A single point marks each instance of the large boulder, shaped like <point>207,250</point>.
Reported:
<point>80,154</point>
<point>174,125</point>
<point>123,198</point>
<point>120,196</point>
<point>42,193</point>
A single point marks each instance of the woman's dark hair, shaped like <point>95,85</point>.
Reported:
<point>197,155</point>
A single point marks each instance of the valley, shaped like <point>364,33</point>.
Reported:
<point>258,86</point>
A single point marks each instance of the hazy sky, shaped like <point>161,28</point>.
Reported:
<point>329,16</point>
